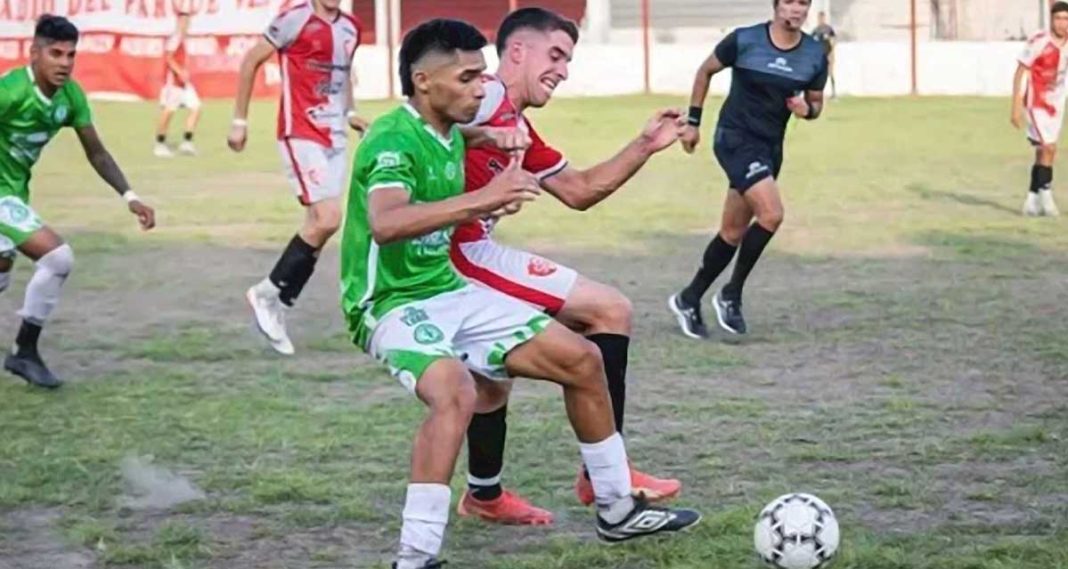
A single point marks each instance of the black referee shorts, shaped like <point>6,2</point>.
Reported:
<point>746,159</point>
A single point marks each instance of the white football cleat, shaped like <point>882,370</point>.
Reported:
<point>1049,207</point>
<point>1032,207</point>
<point>270,316</point>
<point>187,148</point>
<point>161,150</point>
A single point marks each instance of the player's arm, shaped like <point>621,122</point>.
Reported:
<point>722,57</point>
<point>250,66</point>
<point>105,166</point>
<point>393,217</point>
<point>1018,81</point>
<point>511,140</point>
<point>175,67</point>
<point>809,104</point>
<point>582,189</point>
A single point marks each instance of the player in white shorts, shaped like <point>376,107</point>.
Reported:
<point>178,91</point>
<point>315,43</point>
<point>1044,62</point>
<point>535,47</point>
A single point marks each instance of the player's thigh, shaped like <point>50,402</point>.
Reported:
<point>411,338</point>
<point>594,307</point>
<point>21,228</point>
<point>559,355</point>
<point>170,98</point>
<point>190,98</point>
<point>522,275</point>
<point>308,168</point>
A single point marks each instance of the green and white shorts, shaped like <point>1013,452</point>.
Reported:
<point>474,324</point>
<point>18,222</point>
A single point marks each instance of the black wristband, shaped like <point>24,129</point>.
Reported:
<point>694,117</point>
<point>811,114</point>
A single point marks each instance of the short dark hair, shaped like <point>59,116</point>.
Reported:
<point>54,29</point>
<point>1058,7</point>
<point>534,19</point>
<point>435,36</point>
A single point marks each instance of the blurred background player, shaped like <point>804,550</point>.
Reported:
<point>1043,64</point>
<point>35,102</point>
<point>825,34</point>
<point>777,71</point>
<point>535,47</point>
<point>178,91</point>
<point>315,43</point>
<point>407,306</point>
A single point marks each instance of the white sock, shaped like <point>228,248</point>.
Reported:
<point>609,471</point>
<point>426,513</point>
<point>267,288</point>
<point>42,292</point>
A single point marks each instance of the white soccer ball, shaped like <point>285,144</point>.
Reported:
<point>796,531</point>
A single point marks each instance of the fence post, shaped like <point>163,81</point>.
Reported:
<point>390,41</point>
<point>645,47</point>
<point>912,41</point>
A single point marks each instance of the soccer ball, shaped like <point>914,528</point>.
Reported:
<point>796,531</point>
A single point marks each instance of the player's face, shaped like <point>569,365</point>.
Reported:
<point>454,89</point>
<point>53,62</point>
<point>792,13</point>
<point>546,57</point>
<point>1059,24</point>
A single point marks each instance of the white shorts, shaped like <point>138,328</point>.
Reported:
<point>315,172</point>
<point>1043,127</point>
<point>172,97</point>
<point>475,325</point>
<point>524,276</point>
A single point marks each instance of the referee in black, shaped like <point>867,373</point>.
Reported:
<point>777,71</point>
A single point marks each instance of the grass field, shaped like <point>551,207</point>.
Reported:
<point>908,361</point>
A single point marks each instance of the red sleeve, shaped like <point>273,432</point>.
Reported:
<point>541,159</point>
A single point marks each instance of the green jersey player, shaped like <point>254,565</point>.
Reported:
<point>35,102</point>
<point>441,337</point>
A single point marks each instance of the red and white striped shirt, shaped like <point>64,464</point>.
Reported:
<point>175,48</point>
<point>482,164</point>
<point>315,56</point>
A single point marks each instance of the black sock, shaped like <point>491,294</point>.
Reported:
<point>27,337</point>
<point>485,451</point>
<point>188,137</point>
<point>161,138</point>
<point>718,255</point>
<point>293,269</point>
<point>1041,178</point>
<point>753,244</point>
<point>614,352</point>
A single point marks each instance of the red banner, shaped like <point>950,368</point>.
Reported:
<point>121,50</point>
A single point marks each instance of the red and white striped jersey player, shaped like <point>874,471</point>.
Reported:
<point>535,48</point>
<point>315,42</point>
<point>1044,65</point>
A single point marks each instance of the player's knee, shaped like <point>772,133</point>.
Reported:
<point>771,219</point>
<point>585,365</point>
<point>458,405</point>
<point>614,311</point>
<point>60,261</point>
<point>327,220</point>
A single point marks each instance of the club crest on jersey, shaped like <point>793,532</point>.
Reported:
<point>60,114</point>
<point>450,171</point>
<point>538,267</point>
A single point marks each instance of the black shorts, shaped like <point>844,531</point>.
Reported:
<point>746,159</point>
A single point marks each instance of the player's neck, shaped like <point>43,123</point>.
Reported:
<point>513,90</point>
<point>783,37</point>
<point>46,89</point>
<point>440,124</point>
<point>1059,40</point>
<point>325,13</point>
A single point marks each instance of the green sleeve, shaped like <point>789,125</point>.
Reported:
<point>7,100</point>
<point>386,161</point>
<point>80,114</point>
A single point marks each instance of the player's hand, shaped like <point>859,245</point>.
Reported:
<point>1017,116</point>
<point>662,130</point>
<point>237,137</point>
<point>510,189</point>
<point>798,105</point>
<point>359,124</point>
<point>146,216</point>
<point>690,136</point>
<point>511,140</point>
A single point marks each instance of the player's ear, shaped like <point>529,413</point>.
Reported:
<point>421,80</point>
<point>516,51</point>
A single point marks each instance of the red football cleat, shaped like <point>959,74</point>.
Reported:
<point>508,509</point>
<point>654,489</point>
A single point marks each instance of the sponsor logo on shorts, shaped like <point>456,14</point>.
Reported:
<point>413,316</point>
<point>538,267</point>
<point>315,176</point>
<point>756,168</point>
<point>427,333</point>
